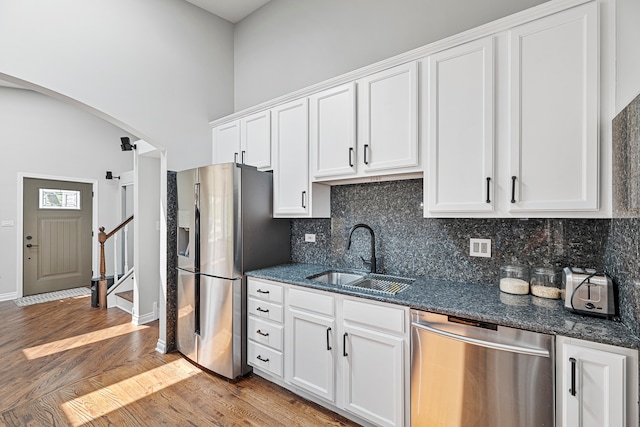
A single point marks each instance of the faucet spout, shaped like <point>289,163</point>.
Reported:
<point>372,262</point>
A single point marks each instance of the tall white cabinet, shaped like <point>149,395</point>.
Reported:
<point>459,100</point>
<point>553,113</point>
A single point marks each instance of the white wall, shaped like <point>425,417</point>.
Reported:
<point>289,44</point>
<point>42,136</point>
<point>161,69</point>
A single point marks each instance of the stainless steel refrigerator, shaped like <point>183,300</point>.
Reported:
<point>225,227</point>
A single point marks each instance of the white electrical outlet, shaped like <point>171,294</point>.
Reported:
<point>7,223</point>
<point>480,247</point>
<point>310,238</point>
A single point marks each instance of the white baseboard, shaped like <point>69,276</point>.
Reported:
<point>161,347</point>
<point>147,317</point>
<point>8,296</point>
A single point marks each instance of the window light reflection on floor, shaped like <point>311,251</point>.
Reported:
<point>80,340</point>
<point>91,406</point>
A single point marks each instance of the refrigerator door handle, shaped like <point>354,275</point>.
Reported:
<point>196,251</point>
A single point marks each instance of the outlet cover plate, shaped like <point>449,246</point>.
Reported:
<point>310,238</point>
<point>480,248</point>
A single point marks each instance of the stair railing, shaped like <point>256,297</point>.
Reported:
<point>102,284</point>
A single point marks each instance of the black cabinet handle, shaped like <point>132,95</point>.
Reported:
<point>344,345</point>
<point>572,390</point>
<point>264,334</point>
<point>513,189</point>
<point>262,310</point>
<point>304,199</point>
<point>350,156</point>
<point>328,344</point>
<point>488,189</point>
<point>260,291</point>
<point>261,359</point>
<point>235,157</point>
<point>242,157</point>
<point>366,148</point>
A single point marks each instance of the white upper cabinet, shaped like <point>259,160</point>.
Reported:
<point>554,112</point>
<point>226,142</point>
<point>388,120</point>
<point>255,140</point>
<point>247,141</point>
<point>293,194</point>
<point>333,132</point>
<point>458,105</point>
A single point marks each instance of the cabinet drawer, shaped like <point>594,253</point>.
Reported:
<point>267,310</point>
<point>265,358</point>
<point>312,301</point>
<point>374,315</point>
<point>265,332</point>
<point>264,290</point>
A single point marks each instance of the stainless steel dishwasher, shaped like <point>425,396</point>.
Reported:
<point>467,373</point>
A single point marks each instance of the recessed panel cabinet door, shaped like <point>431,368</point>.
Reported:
<point>388,117</point>
<point>593,388</point>
<point>226,143</point>
<point>554,112</point>
<point>332,125</point>
<point>290,137</point>
<point>255,138</point>
<point>459,101</point>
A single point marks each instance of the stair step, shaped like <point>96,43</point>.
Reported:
<point>126,295</point>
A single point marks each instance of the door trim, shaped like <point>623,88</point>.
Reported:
<point>20,231</point>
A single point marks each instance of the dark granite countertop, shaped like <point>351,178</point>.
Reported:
<point>478,302</point>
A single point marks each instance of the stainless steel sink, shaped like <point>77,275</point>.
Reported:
<point>381,284</point>
<point>368,282</point>
<point>334,277</point>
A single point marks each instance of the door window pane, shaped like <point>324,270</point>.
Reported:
<point>59,199</point>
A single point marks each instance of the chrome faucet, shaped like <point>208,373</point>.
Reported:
<point>372,262</point>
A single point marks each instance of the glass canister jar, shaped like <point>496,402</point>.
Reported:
<point>545,282</point>
<point>514,279</point>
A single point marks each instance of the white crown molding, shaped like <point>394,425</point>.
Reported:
<point>491,28</point>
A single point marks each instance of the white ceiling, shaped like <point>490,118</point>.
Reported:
<point>231,10</point>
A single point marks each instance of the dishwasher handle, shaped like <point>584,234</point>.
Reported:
<point>482,343</point>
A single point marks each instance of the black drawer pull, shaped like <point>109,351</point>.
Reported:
<point>264,334</point>
<point>344,345</point>
<point>488,189</point>
<point>260,291</point>
<point>262,310</point>
<point>261,359</point>
<point>572,390</point>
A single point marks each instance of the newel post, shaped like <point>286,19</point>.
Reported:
<point>102,285</point>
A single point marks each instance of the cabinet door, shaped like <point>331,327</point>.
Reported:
<point>373,382</point>
<point>226,143</point>
<point>459,128</point>
<point>290,139</point>
<point>593,387</point>
<point>387,115</point>
<point>255,140</point>
<point>554,112</point>
<point>333,132</point>
<point>309,353</point>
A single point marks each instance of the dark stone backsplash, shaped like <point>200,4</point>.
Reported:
<point>408,244</point>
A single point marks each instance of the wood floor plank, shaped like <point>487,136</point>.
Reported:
<point>67,364</point>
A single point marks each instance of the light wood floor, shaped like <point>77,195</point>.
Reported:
<point>64,363</point>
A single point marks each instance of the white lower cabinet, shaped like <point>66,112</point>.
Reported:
<point>597,384</point>
<point>346,353</point>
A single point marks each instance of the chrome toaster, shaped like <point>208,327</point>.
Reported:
<point>588,292</point>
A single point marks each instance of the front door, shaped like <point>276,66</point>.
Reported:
<point>57,235</point>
